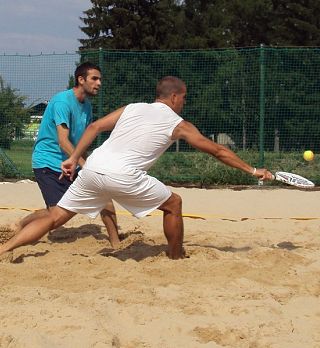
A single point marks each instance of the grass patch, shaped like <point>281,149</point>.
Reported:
<point>194,168</point>
<point>202,170</point>
<point>20,154</point>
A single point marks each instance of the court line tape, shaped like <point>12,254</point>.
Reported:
<point>195,216</point>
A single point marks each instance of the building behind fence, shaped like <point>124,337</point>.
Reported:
<point>266,99</point>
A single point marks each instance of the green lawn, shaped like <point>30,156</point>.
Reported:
<point>193,168</point>
<point>20,154</point>
<point>203,170</point>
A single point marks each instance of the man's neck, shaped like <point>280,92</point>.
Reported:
<point>79,93</point>
<point>164,101</point>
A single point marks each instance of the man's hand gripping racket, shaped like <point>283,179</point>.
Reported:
<point>285,177</point>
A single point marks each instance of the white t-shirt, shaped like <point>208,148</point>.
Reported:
<point>142,133</point>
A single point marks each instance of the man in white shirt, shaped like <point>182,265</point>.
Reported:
<point>116,170</point>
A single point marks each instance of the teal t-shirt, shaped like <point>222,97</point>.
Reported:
<point>63,108</point>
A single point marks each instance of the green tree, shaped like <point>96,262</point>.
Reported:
<point>248,22</point>
<point>200,24</point>
<point>295,23</point>
<point>204,24</point>
<point>71,82</point>
<point>273,22</point>
<point>13,114</point>
<point>127,24</point>
<point>292,98</point>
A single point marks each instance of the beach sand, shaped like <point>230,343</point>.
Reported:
<point>252,278</point>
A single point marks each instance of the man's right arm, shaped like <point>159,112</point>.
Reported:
<point>188,132</point>
<point>64,142</point>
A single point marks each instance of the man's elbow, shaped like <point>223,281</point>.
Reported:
<point>63,144</point>
<point>201,143</point>
<point>94,128</point>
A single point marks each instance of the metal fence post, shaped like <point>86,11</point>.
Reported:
<point>262,106</point>
<point>100,94</point>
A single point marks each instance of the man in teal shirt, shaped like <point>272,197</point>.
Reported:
<point>64,121</point>
<point>64,111</point>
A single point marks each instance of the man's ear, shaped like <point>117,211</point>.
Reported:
<point>81,80</point>
<point>173,98</point>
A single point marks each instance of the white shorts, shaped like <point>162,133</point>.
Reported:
<point>139,193</point>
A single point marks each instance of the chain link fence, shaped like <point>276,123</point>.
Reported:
<point>256,99</point>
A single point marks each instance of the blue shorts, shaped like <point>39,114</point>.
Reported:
<point>51,187</point>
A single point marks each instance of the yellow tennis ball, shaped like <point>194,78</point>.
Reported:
<point>308,155</point>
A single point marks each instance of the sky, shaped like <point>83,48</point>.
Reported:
<point>30,32</point>
<point>41,26</point>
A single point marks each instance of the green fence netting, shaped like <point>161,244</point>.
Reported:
<point>261,101</point>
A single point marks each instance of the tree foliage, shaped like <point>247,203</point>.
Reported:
<point>127,24</point>
<point>13,114</point>
<point>199,24</point>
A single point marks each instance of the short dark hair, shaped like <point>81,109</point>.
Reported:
<point>168,85</point>
<point>82,70</point>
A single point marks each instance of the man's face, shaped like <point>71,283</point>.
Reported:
<point>92,83</point>
<point>180,100</point>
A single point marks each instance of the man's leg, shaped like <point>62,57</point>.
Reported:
<point>173,226</point>
<point>18,226</point>
<point>37,228</point>
<point>109,218</point>
<point>52,189</point>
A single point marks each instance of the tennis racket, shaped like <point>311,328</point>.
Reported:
<point>293,179</point>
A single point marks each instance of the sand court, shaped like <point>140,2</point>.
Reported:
<point>252,278</point>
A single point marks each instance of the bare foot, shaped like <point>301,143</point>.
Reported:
<point>115,244</point>
<point>115,240</point>
<point>177,256</point>
<point>6,257</point>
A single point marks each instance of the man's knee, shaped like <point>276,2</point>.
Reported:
<point>109,209</point>
<point>177,201</point>
<point>173,204</point>
<point>107,212</point>
<point>59,216</point>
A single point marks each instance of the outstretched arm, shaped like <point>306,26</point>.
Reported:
<point>188,132</point>
<point>106,123</point>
